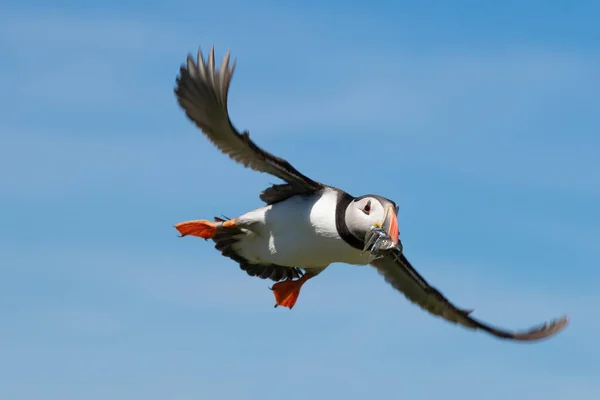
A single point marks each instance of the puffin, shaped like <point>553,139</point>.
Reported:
<point>306,225</point>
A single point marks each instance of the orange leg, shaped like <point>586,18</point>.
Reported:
<point>203,228</point>
<point>287,292</point>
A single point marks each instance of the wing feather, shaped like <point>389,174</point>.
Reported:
<point>399,273</point>
<point>202,91</point>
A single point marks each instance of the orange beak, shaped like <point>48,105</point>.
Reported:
<point>390,223</point>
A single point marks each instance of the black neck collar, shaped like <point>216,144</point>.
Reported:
<point>344,199</point>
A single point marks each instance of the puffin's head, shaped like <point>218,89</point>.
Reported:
<point>371,210</point>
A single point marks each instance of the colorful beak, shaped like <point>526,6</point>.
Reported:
<point>390,223</point>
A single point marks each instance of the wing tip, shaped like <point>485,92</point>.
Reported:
<point>198,75</point>
<point>209,61</point>
<point>544,331</point>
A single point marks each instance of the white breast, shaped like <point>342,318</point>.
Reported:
<point>298,232</point>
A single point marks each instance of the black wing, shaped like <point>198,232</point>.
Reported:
<point>398,272</point>
<point>201,91</point>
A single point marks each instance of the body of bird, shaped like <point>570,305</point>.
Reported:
<point>297,232</point>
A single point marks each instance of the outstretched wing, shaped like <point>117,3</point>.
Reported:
<point>201,91</point>
<point>398,272</point>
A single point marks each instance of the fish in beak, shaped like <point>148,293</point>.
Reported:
<point>390,224</point>
<point>384,234</point>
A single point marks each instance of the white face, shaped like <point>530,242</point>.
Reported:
<point>362,214</point>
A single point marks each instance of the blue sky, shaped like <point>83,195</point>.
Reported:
<point>486,114</point>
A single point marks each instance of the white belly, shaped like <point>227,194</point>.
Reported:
<point>298,232</point>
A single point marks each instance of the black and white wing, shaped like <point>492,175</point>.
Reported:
<point>398,272</point>
<point>201,91</point>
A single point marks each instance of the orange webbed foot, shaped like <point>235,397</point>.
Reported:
<point>200,228</point>
<point>287,292</point>
<point>203,228</point>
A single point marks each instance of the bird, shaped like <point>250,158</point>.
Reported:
<point>306,225</point>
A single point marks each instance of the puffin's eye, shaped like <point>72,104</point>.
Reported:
<point>367,207</point>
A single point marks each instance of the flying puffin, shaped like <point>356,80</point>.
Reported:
<point>306,225</point>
